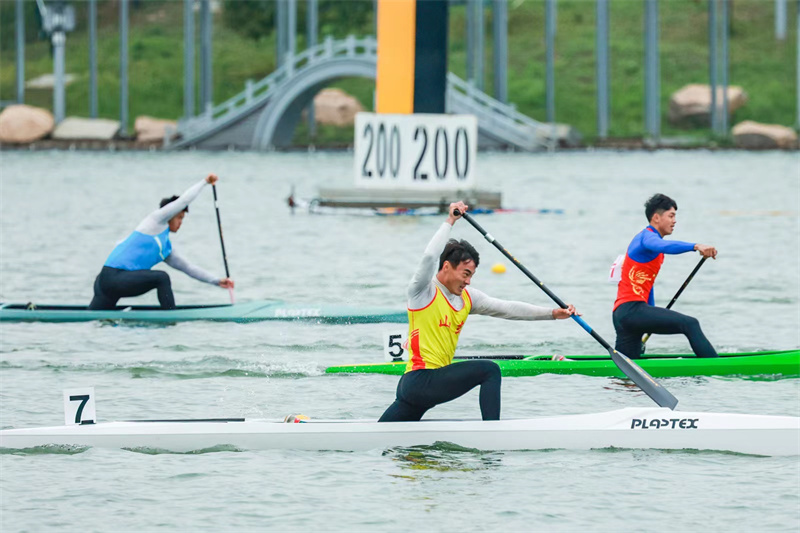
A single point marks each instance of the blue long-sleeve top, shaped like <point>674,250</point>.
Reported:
<point>648,244</point>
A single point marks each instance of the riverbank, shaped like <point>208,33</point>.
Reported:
<point>764,67</point>
<point>621,144</point>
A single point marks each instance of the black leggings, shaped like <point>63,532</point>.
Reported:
<point>632,320</point>
<point>420,390</point>
<point>114,283</point>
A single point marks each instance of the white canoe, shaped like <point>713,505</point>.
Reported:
<point>641,428</point>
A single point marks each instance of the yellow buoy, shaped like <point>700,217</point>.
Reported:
<point>498,268</point>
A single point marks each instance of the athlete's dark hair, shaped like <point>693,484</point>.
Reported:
<point>165,201</point>
<point>457,251</point>
<point>658,203</point>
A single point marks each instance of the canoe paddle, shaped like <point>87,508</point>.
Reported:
<point>635,373</point>
<point>674,298</point>
<point>222,242</point>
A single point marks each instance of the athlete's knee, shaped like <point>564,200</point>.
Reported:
<point>100,302</point>
<point>163,279</point>
<point>401,411</point>
<point>629,345</point>
<point>490,369</point>
<point>691,324</point>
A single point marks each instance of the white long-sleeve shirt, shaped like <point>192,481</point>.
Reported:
<point>149,243</point>
<point>422,288</point>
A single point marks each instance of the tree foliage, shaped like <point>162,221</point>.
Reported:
<point>255,19</point>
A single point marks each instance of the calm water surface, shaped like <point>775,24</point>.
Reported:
<point>61,213</point>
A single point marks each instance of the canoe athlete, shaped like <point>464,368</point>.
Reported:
<point>635,313</point>
<point>127,272</point>
<point>438,306</point>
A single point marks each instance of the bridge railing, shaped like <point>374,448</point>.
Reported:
<point>499,121</point>
<point>255,92</point>
<point>522,129</point>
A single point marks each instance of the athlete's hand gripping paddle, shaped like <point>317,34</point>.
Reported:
<point>222,242</point>
<point>645,381</point>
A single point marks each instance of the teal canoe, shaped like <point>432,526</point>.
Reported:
<point>784,363</point>
<point>240,312</point>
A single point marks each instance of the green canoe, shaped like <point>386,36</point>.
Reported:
<point>239,312</point>
<point>785,363</point>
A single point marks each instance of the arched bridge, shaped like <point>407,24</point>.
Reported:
<point>264,115</point>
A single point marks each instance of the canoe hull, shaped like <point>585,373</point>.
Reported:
<point>631,428</point>
<point>241,312</point>
<point>775,363</point>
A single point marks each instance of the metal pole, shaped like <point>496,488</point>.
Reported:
<point>479,45</point>
<point>470,40</point>
<point>797,38</point>
<point>550,35</point>
<point>206,88</point>
<point>725,54</point>
<point>291,23</point>
<point>311,33</point>
<point>280,45</point>
<point>652,78</point>
<point>780,19</point>
<point>603,87</point>
<point>123,66</point>
<point>712,63</point>
<point>20,33</point>
<point>500,37</point>
<point>93,58</point>
<point>58,39</point>
<point>188,59</point>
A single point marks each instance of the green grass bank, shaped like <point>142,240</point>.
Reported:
<point>765,67</point>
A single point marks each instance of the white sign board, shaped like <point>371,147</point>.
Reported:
<point>79,406</point>
<point>394,345</point>
<point>418,151</point>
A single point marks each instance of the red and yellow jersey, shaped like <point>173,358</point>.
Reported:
<point>637,280</point>
<point>643,260</point>
<point>433,332</point>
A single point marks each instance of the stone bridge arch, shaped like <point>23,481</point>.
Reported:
<point>277,121</point>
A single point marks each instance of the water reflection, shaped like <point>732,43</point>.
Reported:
<point>444,457</point>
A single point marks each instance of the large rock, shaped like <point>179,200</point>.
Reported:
<point>336,107</point>
<point>89,129</point>
<point>750,134</point>
<point>691,105</point>
<point>562,135</point>
<point>47,82</point>
<point>21,124</point>
<point>149,129</point>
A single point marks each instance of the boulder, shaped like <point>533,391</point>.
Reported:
<point>47,82</point>
<point>560,135</point>
<point>89,129</point>
<point>336,107</point>
<point>754,135</point>
<point>691,105</point>
<point>149,129</point>
<point>21,124</point>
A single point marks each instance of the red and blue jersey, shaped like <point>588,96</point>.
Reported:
<point>642,263</point>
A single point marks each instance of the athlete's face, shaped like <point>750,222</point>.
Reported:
<point>176,221</point>
<point>664,222</point>
<point>456,279</point>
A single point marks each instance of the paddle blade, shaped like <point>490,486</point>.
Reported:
<point>651,387</point>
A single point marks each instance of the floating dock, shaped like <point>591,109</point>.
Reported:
<point>406,199</point>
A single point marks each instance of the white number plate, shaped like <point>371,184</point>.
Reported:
<point>79,406</point>
<point>415,151</point>
<point>394,345</point>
